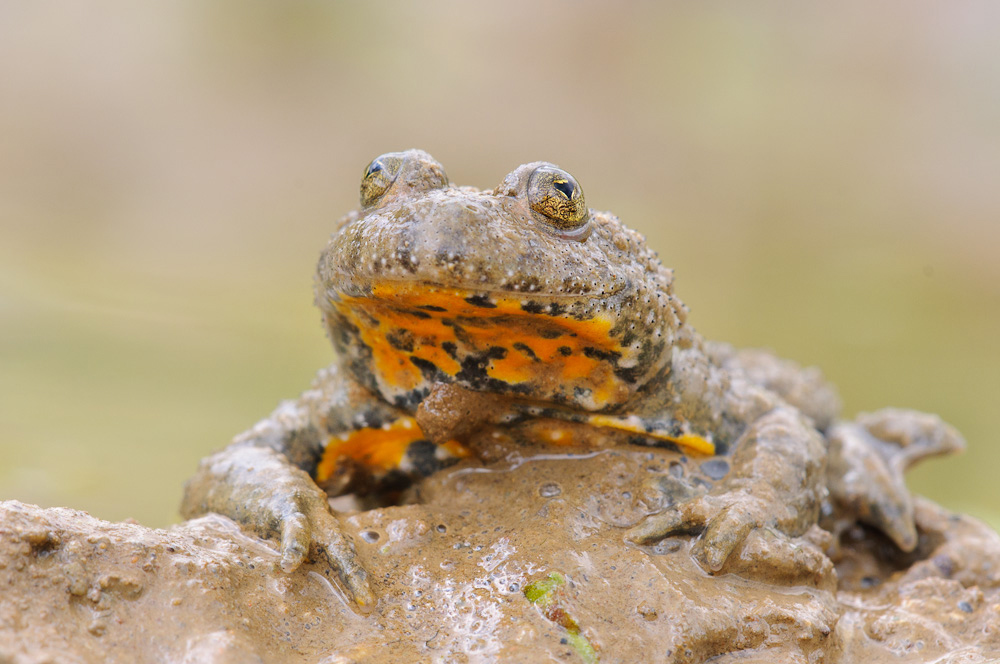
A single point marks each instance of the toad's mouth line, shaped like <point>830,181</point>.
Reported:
<point>484,297</point>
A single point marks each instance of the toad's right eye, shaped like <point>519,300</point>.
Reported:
<point>379,176</point>
<point>558,197</point>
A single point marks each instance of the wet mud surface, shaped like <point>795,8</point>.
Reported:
<point>520,561</point>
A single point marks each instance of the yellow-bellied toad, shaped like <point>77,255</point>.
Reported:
<point>456,311</point>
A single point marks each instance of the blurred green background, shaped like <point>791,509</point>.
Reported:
<point>822,177</point>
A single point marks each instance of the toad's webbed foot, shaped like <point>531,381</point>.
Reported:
<point>868,458</point>
<point>260,489</point>
<point>775,483</point>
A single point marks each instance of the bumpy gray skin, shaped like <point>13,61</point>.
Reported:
<point>768,415</point>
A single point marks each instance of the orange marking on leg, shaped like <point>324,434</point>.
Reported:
<point>633,425</point>
<point>556,435</point>
<point>456,449</point>
<point>381,448</point>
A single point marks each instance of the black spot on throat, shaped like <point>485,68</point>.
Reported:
<point>430,370</point>
<point>480,301</point>
<point>400,339</point>
<point>604,355</point>
<point>526,349</point>
<point>533,307</point>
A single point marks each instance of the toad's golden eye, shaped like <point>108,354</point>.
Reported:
<point>554,193</point>
<point>379,176</point>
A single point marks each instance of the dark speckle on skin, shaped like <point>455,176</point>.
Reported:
<point>406,259</point>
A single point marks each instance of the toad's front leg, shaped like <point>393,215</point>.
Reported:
<point>261,490</point>
<point>337,433</point>
<point>776,481</point>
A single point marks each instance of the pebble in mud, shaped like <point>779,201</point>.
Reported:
<point>715,469</point>
<point>549,490</point>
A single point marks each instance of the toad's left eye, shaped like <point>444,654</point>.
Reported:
<point>379,176</point>
<point>555,194</point>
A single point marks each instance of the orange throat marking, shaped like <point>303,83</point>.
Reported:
<point>438,326</point>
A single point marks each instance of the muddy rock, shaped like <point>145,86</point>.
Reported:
<point>522,561</point>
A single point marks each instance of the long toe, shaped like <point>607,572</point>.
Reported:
<point>295,542</point>
<point>657,526</point>
<point>724,533</point>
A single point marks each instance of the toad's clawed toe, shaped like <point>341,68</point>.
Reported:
<point>341,555</point>
<point>657,526</point>
<point>724,533</point>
